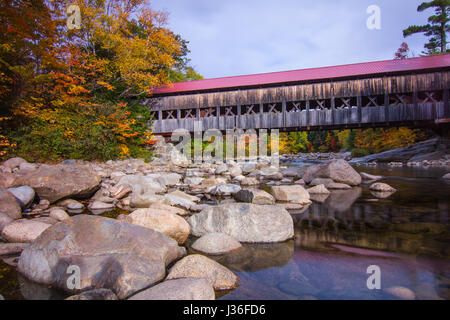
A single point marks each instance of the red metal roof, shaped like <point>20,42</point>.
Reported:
<point>343,71</point>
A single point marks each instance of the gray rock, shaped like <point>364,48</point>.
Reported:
<point>23,230</point>
<point>119,192</point>
<point>198,266</point>
<point>225,189</point>
<point>160,220</point>
<point>9,204</point>
<point>119,256</point>
<point>96,294</point>
<point>140,184</point>
<point>249,181</point>
<point>221,169</point>
<point>338,186</point>
<point>57,182</point>
<point>59,214</point>
<point>255,196</point>
<point>401,292</point>
<point>248,167</point>
<point>145,200</point>
<point>319,189</point>
<point>337,170</point>
<point>193,181</point>
<point>216,244</point>
<point>24,195</point>
<point>25,166</point>
<point>381,187</point>
<point>4,220</point>
<point>12,248</point>
<point>319,181</point>
<point>295,193</point>
<point>369,177</point>
<point>446,176</point>
<point>244,222</point>
<point>7,179</point>
<point>179,198</point>
<point>13,163</point>
<point>178,289</point>
<point>99,205</point>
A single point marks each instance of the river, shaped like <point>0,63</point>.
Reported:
<point>337,238</point>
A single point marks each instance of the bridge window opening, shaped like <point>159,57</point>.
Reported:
<point>153,115</point>
<point>272,108</point>
<point>294,106</point>
<point>346,103</point>
<point>250,110</point>
<point>320,104</point>
<point>373,101</point>
<point>397,99</point>
<point>430,97</point>
<point>169,114</point>
<point>207,112</point>
<point>188,114</point>
<point>228,111</point>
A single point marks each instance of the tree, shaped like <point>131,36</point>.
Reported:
<point>437,26</point>
<point>402,52</point>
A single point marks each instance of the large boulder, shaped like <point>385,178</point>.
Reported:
<point>140,184</point>
<point>198,266</point>
<point>4,220</point>
<point>7,179</point>
<point>61,181</point>
<point>24,195</point>
<point>255,196</point>
<point>178,289</point>
<point>161,220</point>
<point>295,194</point>
<point>119,256</point>
<point>216,244</point>
<point>244,222</point>
<point>9,204</point>
<point>225,189</point>
<point>13,163</point>
<point>23,230</point>
<point>337,170</point>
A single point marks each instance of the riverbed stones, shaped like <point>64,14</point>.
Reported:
<point>338,186</point>
<point>221,169</point>
<point>141,184</point>
<point>225,189</point>
<point>14,163</point>
<point>319,189</point>
<point>181,199</point>
<point>178,289</point>
<point>59,214</point>
<point>23,230</point>
<point>24,195</point>
<point>369,177</point>
<point>382,187</point>
<point>294,193</point>
<point>198,266</point>
<point>401,293</point>
<point>9,204</point>
<point>61,181</point>
<point>245,222</point>
<point>4,220</point>
<point>337,170</point>
<point>120,191</point>
<point>249,181</point>
<point>12,248</point>
<point>168,208</point>
<point>163,221</point>
<point>146,200</point>
<point>7,179</point>
<point>119,256</point>
<point>96,294</point>
<point>216,244</point>
<point>193,181</point>
<point>255,196</point>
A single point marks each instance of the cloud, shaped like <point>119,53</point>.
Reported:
<point>234,37</point>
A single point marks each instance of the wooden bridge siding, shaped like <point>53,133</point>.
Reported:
<point>358,89</point>
<point>317,118</point>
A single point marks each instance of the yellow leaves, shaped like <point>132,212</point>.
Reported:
<point>124,151</point>
<point>106,85</point>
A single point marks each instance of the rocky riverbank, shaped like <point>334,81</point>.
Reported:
<point>53,216</point>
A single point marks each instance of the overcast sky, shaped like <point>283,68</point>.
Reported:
<point>236,37</point>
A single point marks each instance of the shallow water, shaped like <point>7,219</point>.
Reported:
<point>336,239</point>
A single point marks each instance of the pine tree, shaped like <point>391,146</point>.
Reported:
<point>437,26</point>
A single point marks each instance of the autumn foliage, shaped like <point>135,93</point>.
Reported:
<point>71,93</point>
